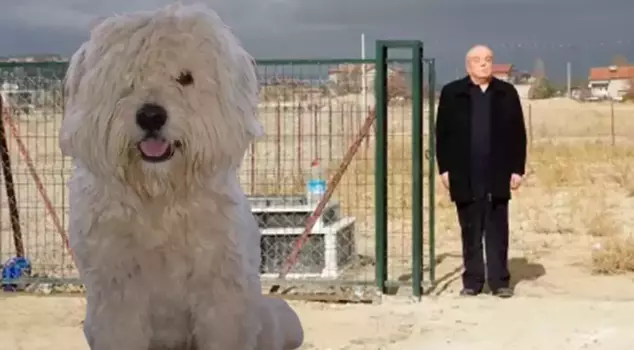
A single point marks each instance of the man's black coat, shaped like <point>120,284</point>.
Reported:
<point>453,138</point>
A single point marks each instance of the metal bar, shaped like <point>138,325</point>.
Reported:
<point>10,187</point>
<point>322,298</point>
<point>380,97</point>
<point>431,136</point>
<point>399,44</point>
<point>417,170</point>
<point>326,61</point>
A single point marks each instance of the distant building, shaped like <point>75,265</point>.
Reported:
<point>345,73</point>
<point>521,80</point>
<point>610,82</point>
<point>34,58</point>
<point>348,79</point>
<point>504,71</point>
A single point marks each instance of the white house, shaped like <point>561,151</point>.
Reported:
<point>504,71</point>
<point>507,72</point>
<point>610,82</point>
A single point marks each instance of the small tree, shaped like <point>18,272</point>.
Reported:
<point>397,86</point>
<point>325,89</point>
<point>539,70</point>
<point>349,80</point>
<point>619,61</point>
<point>540,89</point>
<point>629,94</point>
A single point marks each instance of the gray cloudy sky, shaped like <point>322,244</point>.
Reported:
<point>586,32</point>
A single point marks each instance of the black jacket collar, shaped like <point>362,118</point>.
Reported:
<point>496,85</point>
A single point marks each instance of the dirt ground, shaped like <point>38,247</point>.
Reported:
<point>558,306</point>
<point>439,323</point>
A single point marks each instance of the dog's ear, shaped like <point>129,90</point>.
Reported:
<point>74,72</point>
<point>72,80</point>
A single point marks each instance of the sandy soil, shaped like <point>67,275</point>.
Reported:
<point>439,323</point>
<point>559,305</point>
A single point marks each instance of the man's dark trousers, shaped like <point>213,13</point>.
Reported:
<point>485,218</point>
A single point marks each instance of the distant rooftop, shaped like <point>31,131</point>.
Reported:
<point>612,72</point>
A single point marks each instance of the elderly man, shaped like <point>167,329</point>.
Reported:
<point>481,152</point>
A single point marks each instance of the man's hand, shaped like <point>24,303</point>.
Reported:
<point>516,181</point>
<point>444,177</point>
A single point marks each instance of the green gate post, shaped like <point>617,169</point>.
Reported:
<point>381,101</point>
<point>417,170</point>
<point>380,106</point>
<point>431,135</point>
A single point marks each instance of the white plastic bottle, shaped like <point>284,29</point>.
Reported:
<point>316,184</point>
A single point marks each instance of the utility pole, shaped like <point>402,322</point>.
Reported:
<point>569,79</point>
<point>364,83</point>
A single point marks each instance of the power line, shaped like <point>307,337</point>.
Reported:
<point>527,45</point>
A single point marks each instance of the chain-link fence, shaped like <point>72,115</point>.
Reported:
<point>313,113</point>
<point>315,110</point>
<point>34,197</point>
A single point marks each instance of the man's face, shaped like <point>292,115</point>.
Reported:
<point>479,62</point>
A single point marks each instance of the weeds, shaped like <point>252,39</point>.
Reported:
<point>614,255</point>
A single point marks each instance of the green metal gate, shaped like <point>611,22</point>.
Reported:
<point>383,279</point>
<point>382,188</point>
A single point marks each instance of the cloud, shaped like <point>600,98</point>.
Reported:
<point>76,15</point>
<point>41,25</point>
<point>332,28</point>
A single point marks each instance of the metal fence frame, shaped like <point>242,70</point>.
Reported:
<point>418,63</point>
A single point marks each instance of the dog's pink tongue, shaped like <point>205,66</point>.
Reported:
<point>154,147</point>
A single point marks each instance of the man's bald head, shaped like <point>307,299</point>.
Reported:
<point>479,62</point>
<point>479,50</point>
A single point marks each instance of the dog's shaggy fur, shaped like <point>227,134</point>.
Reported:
<point>160,110</point>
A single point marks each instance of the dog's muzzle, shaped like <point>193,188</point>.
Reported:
<point>153,147</point>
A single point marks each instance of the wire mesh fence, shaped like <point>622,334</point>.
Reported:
<point>563,119</point>
<point>314,110</point>
<point>311,111</point>
<point>34,197</point>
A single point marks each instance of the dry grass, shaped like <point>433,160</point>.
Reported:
<point>614,255</point>
<point>585,188</point>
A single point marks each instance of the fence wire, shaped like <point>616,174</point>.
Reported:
<point>33,203</point>
<point>314,110</point>
<point>311,110</point>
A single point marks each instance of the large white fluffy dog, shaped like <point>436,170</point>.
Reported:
<point>160,110</point>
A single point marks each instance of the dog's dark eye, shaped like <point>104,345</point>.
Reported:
<point>185,78</point>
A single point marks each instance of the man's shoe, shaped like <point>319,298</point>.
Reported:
<point>468,292</point>
<point>503,293</point>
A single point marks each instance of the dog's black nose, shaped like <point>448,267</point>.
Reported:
<point>151,117</point>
